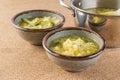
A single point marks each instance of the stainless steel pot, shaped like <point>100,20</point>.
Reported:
<point>109,28</point>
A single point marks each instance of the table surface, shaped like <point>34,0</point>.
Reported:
<point>20,60</point>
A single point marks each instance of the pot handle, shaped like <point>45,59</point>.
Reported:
<point>81,17</point>
<point>67,6</point>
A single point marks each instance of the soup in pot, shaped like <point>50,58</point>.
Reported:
<point>104,11</point>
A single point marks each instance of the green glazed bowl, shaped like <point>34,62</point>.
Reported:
<point>35,36</point>
<point>70,63</point>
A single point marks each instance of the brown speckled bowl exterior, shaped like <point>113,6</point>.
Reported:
<point>69,63</point>
<point>35,36</point>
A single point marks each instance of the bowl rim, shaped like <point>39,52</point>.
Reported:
<point>37,30</point>
<point>76,58</point>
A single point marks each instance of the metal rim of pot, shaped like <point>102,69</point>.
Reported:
<point>73,7</point>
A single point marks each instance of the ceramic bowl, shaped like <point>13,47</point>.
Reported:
<point>73,64</point>
<point>96,26</point>
<point>35,36</point>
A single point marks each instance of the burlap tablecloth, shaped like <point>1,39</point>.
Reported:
<point>20,60</point>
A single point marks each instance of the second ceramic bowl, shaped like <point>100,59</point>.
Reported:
<point>35,36</point>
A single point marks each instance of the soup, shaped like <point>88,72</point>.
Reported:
<point>39,22</point>
<point>104,11</point>
<point>74,46</point>
<point>96,19</point>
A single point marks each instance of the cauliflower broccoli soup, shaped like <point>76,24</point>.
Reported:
<point>39,22</point>
<point>74,46</point>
